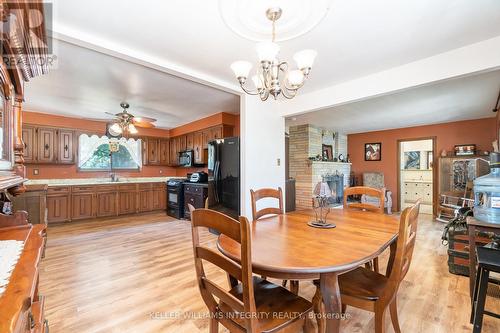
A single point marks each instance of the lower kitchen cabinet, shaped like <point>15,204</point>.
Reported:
<point>58,208</point>
<point>82,206</point>
<point>127,202</point>
<point>66,203</point>
<point>106,204</point>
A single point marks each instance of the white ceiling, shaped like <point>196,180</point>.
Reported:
<point>356,38</point>
<point>190,39</point>
<point>86,83</point>
<point>464,98</point>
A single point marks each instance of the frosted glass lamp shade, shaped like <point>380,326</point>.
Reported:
<point>295,77</point>
<point>241,68</point>
<point>115,129</point>
<point>305,58</point>
<point>257,81</point>
<point>132,129</point>
<point>267,51</point>
<point>322,190</point>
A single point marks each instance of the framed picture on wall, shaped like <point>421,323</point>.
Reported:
<point>373,151</point>
<point>327,153</point>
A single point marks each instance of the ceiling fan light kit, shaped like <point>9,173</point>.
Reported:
<point>274,77</point>
<point>125,123</point>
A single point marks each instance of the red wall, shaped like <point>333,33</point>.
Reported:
<point>481,132</point>
<point>98,127</point>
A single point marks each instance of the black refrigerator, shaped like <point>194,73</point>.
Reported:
<point>224,176</point>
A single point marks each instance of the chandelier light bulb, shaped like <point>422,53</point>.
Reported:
<point>305,58</point>
<point>132,129</point>
<point>116,128</point>
<point>295,77</point>
<point>267,51</point>
<point>241,69</point>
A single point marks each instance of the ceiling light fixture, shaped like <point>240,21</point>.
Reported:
<point>274,77</point>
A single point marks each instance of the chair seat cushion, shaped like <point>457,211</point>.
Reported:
<point>362,283</point>
<point>277,306</point>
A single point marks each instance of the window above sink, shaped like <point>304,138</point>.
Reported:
<point>103,153</point>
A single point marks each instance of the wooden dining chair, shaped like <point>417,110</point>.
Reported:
<point>262,194</point>
<point>364,190</point>
<point>250,304</point>
<point>368,290</point>
<point>370,191</point>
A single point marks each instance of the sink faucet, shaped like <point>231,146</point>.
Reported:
<point>114,177</point>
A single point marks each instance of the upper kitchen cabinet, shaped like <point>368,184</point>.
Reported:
<point>66,143</point>
<point>153,149</point>
<point>190,141</point>
<point>46,145</point>
<point>164,152</point>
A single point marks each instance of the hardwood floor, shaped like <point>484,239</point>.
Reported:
<point>136,274</point>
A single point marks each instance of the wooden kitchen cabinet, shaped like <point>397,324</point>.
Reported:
<point>174,150</point>
<point>66,150</point>
<point>198,148</point>
<point>216,133</point>
<point>164,152</point>
<point>145,197</point>
<point>106,204</point>
<point>153,148</point>
<point>127,200</point>
<point>190,141</point>
<point>181,143</point>
<point>82,206</point>
<point>28,134</point>
<point>58,207</point>
<point>46,145</point>
<point>159,197</point>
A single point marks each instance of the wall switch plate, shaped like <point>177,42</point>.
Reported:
<point>36,172</point>
<point>279,161</point>
<point>161,171</point>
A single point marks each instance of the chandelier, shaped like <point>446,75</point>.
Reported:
<point>274,77</point>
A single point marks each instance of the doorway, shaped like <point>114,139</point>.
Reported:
<point>416,173</point>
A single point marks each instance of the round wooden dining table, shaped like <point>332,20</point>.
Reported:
<point>285,247</point>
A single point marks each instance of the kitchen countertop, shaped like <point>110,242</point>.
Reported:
<point>96,181</point>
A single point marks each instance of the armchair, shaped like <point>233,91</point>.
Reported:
<point>376,180</point>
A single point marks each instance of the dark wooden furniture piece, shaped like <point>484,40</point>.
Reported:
<point>195,194</point>
<point>475,225</point>
<point>254,297</point>
<point>25,47</point>
<point>301,252</point>
<point>77,202</point>
<point>364,190</point>
<point>265,193</point>
<point>488,261</point>
<point>290,195</point>
<point>371,291</point>
<point>22,306</point>
<point>33,201</point>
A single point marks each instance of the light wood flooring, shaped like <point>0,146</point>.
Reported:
<point>136,274</point>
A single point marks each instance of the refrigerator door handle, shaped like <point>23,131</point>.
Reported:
<point>216,181</point>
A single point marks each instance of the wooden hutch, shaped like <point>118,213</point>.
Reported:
<point>24,56</point>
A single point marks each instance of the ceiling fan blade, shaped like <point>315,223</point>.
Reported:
<point>144,124</point>
<point>144,119</point>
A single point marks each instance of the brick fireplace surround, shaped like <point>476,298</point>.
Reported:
<point>306,141</point>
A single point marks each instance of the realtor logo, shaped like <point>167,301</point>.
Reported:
<point>20,18</point>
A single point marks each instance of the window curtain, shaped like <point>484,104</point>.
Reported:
<point>87,145</point>
<point>134,148</point>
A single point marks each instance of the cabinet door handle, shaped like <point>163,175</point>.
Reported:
<point>46,146</point>
<point>66,147</point>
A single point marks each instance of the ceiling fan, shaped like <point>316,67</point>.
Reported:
<point>125,122</point>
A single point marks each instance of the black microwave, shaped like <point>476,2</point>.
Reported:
<point>186,158</point>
